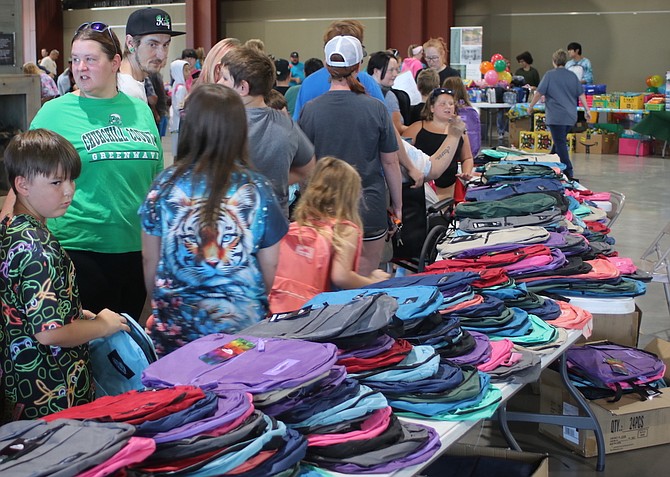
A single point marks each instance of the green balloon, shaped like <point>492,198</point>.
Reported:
<point>652,89</point>
<point>500,65</point>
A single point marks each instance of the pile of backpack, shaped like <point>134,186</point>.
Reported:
<point>326,385</point>
<point>349,427</point>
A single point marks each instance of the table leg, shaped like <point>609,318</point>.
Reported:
<point>588,422</point>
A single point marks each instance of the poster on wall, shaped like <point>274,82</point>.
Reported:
<point>7,57</point>
<point>466,51</point>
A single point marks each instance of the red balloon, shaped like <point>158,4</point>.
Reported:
<point>497,57</point>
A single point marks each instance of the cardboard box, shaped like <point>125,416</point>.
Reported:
<point>661,348</point>
<point>539,122</point>
<point>543,142</point>
<point>527,141</point>
<point>604,101</point>
<point>572,142</point>
<point>634,147</point>
<point>627,424</point>
<point>541,461</point>
<point>515,127</point>
<point>623,329</point>
<point>597,143</point>
<point>631,101</point>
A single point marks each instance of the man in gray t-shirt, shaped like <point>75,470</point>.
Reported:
<point>277,147</point>
<point>562,91</point>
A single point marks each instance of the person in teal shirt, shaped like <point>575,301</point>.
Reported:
<point>120,150</point>
<point>297,70</point>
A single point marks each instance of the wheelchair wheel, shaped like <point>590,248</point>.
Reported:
<point>429,250</point>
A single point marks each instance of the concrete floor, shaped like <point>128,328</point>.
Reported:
<point>644,181</point>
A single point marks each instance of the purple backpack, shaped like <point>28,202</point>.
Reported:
<point>473,126</point>
<point>615,368</point>
<point>222,363</point>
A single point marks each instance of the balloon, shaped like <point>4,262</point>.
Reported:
<point>503,83</point>
<point>656,81</point>
<point>648,81</point>
<point>505,76</point>
<point>661,89</point>
<point>496,57</point>
<point>652,89</point>
<point>485,66</point>
<point>491,77</point>
<point>500,65</point>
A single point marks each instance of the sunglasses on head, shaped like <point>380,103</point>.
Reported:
<point>99,27</point>
<point>438,91</point>
<point>394,52</point>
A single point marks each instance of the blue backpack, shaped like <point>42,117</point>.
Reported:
<point>414,302</point>
<point>118,360</point>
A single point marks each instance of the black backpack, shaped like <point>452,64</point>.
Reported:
<point>405,105</point>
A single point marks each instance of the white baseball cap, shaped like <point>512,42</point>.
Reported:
<point>348,47</point>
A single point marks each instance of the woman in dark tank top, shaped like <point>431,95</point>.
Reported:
<point>428,135</point>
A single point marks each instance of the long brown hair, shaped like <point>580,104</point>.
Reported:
<point>346,73</point>
<point>332,196</point>
<point>456,84</point>
<point>212,142</point>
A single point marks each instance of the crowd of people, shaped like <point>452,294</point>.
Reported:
<point>198,242</point>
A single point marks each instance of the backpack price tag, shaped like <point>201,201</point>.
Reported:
<point>291,314</point>
<point>617,366</point>
<point>229,350</point>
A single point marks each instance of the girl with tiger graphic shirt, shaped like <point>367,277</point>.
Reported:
<point>211,228</point>
<point>329,205</point>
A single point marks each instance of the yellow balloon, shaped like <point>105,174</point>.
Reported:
<point>505,76</point>
<point>656,81</point>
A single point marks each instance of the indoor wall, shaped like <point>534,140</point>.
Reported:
<point>624,40</point>
<point>295,25</point>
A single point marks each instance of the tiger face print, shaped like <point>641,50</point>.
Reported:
<point>202,253</point>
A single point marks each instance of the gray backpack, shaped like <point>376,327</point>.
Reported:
<point>356,322</point>
<point>63,447</point>
<point>544,218</point>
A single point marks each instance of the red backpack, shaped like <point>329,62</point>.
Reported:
<point>303,271</point>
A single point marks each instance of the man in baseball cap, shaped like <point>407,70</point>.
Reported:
<point>148,35</point>
<point>297,69</point>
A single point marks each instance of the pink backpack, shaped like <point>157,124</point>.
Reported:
<point>305,257</point>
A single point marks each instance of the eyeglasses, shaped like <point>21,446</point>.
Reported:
<point>100,28</point>
<point>438,91</point>
<point>432,58</point>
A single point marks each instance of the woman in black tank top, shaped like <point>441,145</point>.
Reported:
<point>428,135</point>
